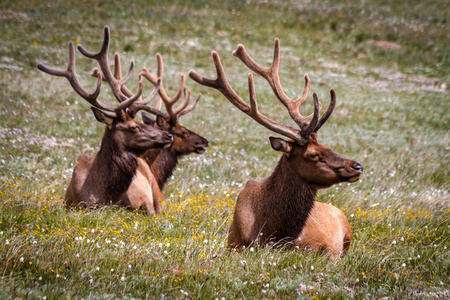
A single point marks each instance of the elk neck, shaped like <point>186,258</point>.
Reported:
<point>288,200</point>
<point>162,162</point>
<point>116,166</point>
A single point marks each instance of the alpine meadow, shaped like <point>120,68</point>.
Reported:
<point>387,65</point>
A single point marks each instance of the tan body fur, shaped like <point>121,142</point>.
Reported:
<point>326,230</point>
<point>143,191</point>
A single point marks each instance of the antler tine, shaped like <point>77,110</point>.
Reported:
<point>168,101</point>
<point>118,74</point>
<point>184,104</point>
<point>71,75</point>
<point>272,76</point>
<point>191,107</point>
<point>102,58</point>
<point>124,89</point>
<point>139,104</point>
<point>222,85</point>
<point>143,104</point>
<point>327,114</point>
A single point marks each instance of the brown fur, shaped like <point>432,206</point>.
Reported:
<point>280,208</point>
<point>162,162</point>
<point>117,169</point>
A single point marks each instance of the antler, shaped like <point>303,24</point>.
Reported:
<point>172,114</point>
<point>102,58</point>
<point>183,108</point>
<point>140,104</point>
<point>306,124</point>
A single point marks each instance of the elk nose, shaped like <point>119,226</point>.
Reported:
<point>358,167</point>
<point>204,142</point>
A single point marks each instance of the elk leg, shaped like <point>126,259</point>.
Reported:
<point>157,197</point>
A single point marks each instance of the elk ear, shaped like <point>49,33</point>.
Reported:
<point>313,137</point>
<point>162,123</point>
<point>147,119</point>
<point>281,145</point>
<point>102,117</point>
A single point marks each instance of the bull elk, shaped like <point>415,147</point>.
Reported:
<point>163,161</point>
<point>117,174</point>
<point>281,209</point>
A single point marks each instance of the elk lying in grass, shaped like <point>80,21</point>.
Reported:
<point>162,162</point>
<point>117,174</point>
<point>281,206</point>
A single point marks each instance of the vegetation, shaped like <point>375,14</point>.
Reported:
<point>389,63</point>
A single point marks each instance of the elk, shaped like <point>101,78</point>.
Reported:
<point>163,161</point>
<point>117,174</point>
<point>281,209</point>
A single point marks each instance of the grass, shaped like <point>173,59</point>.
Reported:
<point>392,116</point>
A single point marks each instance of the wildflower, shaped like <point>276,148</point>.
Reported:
<point>112,270</point>
<point>264,291</point>
<point>21,259</point>
<point>122,278</point>
<point>312,268</point>
<point>403,265</point>
<point>252,249</point>
<point>98,269</point>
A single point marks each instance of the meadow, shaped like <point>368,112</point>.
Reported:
<point>389,63</point>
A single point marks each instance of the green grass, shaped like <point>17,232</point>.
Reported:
<point>392,116</point>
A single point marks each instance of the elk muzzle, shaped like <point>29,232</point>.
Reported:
<point>200,146</point>
<point>355,170</point>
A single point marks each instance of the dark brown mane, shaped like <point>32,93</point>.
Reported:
<point>162,163</point>
<point>292,204</point>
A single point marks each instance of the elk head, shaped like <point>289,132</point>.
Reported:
<point>124,132</point>
<point>315,163</point>
<point>185,141</point>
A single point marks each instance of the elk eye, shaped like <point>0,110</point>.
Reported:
<point>135,128</point>
<point>314,155</point>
